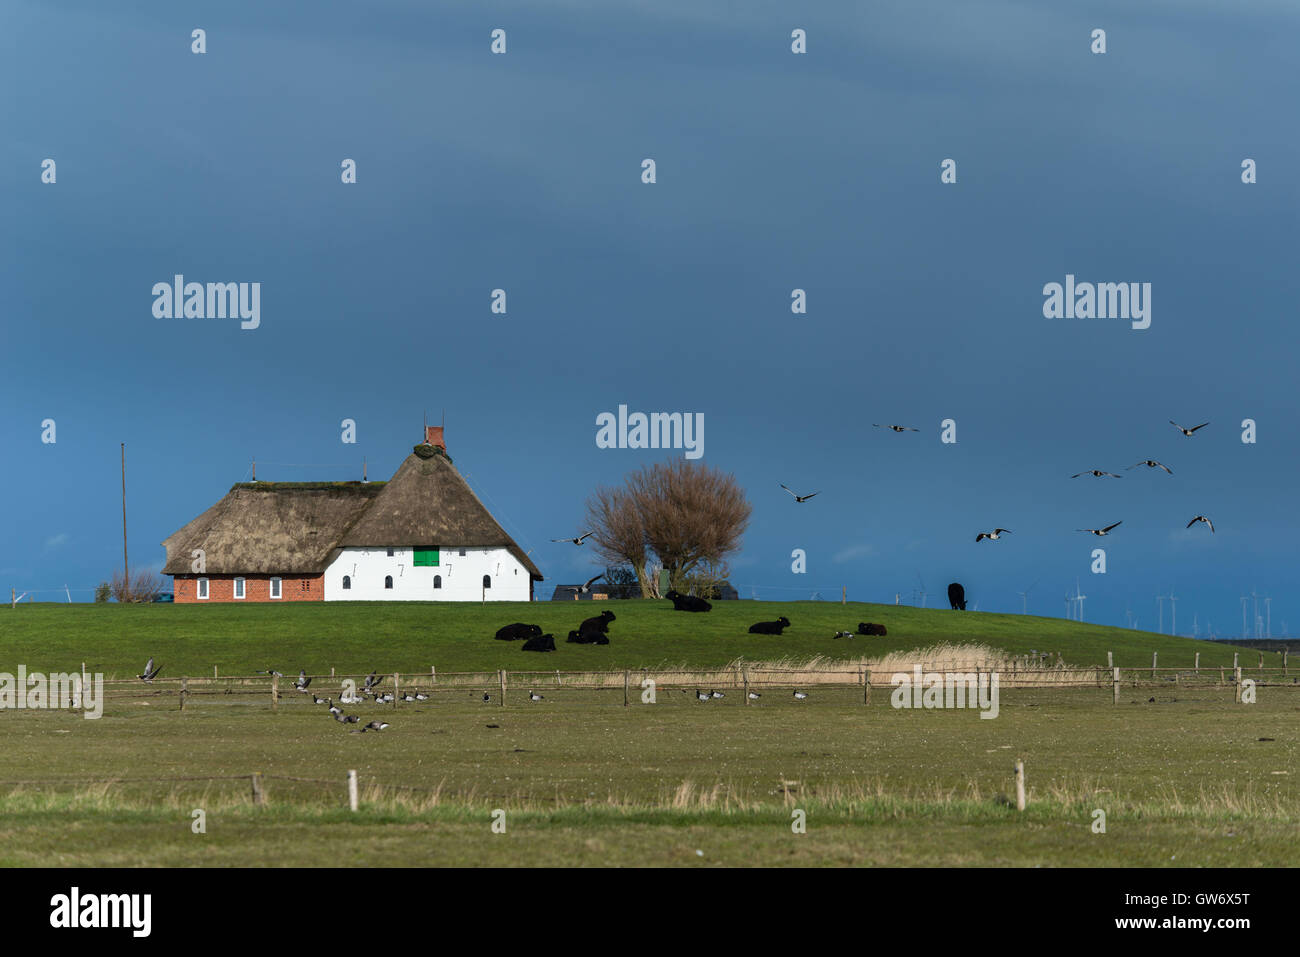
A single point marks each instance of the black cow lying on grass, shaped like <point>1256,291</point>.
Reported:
<point>867,628</point>
<point>957,596</point>
<point>540,643</point>
<point>687,602</point>
<point>588,638</point>
<point>770,627</point>
<point>518,632</point>
<point>599,623</point>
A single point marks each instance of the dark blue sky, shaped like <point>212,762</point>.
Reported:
<point>775,171</point>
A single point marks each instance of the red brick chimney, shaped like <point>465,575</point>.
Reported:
<point>433,436</point>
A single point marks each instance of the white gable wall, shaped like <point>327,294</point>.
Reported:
<point>462,575</point>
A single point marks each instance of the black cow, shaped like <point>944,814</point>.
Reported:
<point>588,638</point>
<point>540,643</point>
<point>518,632</point>
<point>687,602</point>
<point>599,623</point>
<point>867,628</point>
<point>957,597</point>
<point>770,627</point>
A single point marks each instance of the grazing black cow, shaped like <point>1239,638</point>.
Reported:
<point>687,602</point>
<point>957,596</point>
<point>540,643</point>
<point>599,623</point>
<point>770,627</point>
<point>867,628</point>
<point>518,632</point>
<point>588,638</point>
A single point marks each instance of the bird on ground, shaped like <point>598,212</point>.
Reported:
<point>303,681</point>
<point>993,535</point>
<point>1100,531</point>
<point>716,694</point>
<point>800,498</point>
<point>1187,431</point>
<point>585,587</point>
<point>317,699</point>
<point>150,672</point>
<point>342,718</point>
<point>385,698</point>
<point>1151,464</point>
<point>534,696</point>
<point>375,726</point>
<point>896,428</point>
<point>800,696</point>
<point>1202,518</point>
<point>486,696</point>
<point>1096,472</point>
<point>843,634</point>
<point>407,696</point>
<point>335,709</point>
<point>754,694</point>
<point>576,541</point>
<point>701,695</point>
<point>421,696</point>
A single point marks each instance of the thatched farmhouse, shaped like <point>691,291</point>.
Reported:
<point>421,536</point>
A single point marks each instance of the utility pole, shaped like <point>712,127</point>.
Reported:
<point>126,568</point>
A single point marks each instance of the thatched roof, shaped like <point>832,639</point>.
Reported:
<point>427,503</point>
<point>262,528</point>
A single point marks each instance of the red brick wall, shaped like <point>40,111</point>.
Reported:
<point>256,588</point>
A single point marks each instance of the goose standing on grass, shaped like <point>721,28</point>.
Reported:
<point>576,541</point>
<point>1151,464</point>
<point>754,696</point>
<point>800,498</point>
<point>407,696</point>
<point>1097,473</point>
<point>800,696</point>
<point>421,696</point>
<point>534,696</point>
<point>1101,531</point>
<point>150,672</point>
<point>1187,431</point>
<point>992,536</point>
<point>701,695</point>
<point>716,694</point>
<point>1202,518</point>
<point>896,428</point>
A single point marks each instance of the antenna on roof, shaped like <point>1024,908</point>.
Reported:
<point>254,470</point>
<point>363,471</point>
<point>444,418</point>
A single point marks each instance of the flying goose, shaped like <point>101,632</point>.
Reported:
<point>1151,464</point>
<point>1100,531</point>
<point>576,541</point>
<point>150,672</point>
<point>1187,431</point>
<point>585,587</point>
<point>896,428</point>
<point>800,498</point>
<point>1095,472</point>
<point>372,681</point>
<point>303,681</point>
<point>993,535</point>
<point>1202,518</point>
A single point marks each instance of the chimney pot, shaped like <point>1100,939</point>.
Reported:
<point>433,436</point>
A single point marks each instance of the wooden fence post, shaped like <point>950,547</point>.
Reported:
<point>627,677</point>
<point>185,689</point>
<point>1234,661</point>
<point>259,795</point>
<point>352,790</point>
<point>1284,651</point>
<point>1154,656</point>
<point>1020,785</point>
<point>1116,687</point>
<point>214,672</point>
<point>502,675</point>
<point>396,690</point>
<point>1261,661</point>
<point>746,676</point>
<point>1197,666</point>
<point>1220,674</point>
<point>1236,676</point>
<point>1110,659</point>
<point>866,686</point>
<point>275,692</point>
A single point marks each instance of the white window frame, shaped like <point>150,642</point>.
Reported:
<point>241,589</point>
<point>201,590</point>
<point>276,588</point>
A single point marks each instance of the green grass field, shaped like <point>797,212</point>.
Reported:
<point>1183,781</point>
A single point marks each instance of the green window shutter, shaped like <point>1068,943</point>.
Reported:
<point>426,557</point>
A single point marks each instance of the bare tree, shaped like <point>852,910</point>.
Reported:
<point>143,587</point>
<point>690,516</point>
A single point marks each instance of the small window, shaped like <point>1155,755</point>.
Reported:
<point>487,581</point>
<point>276,584</point>
<point>347,582</point>
<point>437,581</point>
<point>462,553</point>
<point>239,588</point>
<point>390,553</point>
<point>203,589</point>
<point>388,581</point>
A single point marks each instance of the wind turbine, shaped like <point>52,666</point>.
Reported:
<point>1024,599</point>
<point>922,581</point>
<point>1079,597</point>
<point>1243,616</point>
<point>1255,607</point>
<point>1268,610</point>
<point>1173,607</point>
<point>1160,601</point>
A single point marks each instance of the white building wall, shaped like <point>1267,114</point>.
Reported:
<point>461,572</point>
